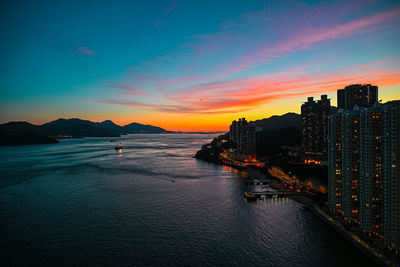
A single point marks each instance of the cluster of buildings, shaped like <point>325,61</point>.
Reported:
<point>244,136</point>
<point>361,143</point>
<point>314,119</point>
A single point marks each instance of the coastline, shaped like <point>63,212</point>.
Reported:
<point>306,201</point>
<point>369,251</point>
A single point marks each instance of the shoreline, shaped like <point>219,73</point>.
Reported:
<point>369,251</point>
<point>350,237</point>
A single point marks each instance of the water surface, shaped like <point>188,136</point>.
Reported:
<point>81,202</point>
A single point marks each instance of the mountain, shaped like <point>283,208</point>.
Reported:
<point>141,128</point>
<point>76,128</point>
<point>22,126</point>
<point>25,133</point>
<point>107,124</point>
<point>131,128</point>
<point>269,142</point>
<point>278,122</point>
<point>23,138</point>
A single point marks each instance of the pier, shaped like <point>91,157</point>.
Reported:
<point>266,194</point>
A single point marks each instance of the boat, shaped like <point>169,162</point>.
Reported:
<point>119,147</point>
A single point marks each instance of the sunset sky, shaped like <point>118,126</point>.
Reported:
<point>190,65</point>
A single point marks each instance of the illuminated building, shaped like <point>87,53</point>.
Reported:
<point>362,95</point>
<point>364,157</point>
<point>244,135</point>
<point>314,129</point>
<point>351,163</point>
<point>391,174</point>
<point>371,161</point>
<point>335,161</point>
<point>234,131</point>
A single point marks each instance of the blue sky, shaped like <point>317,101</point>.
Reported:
<point>190,65</point>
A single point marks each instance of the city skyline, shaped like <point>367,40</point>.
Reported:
<point>191,66</point>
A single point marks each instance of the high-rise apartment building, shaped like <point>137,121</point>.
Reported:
<point>362,95</point>
<point>363,168</point>
<point>371,168</point>
<point>244,136</point>
<point>335,161</point>
<point>351,164</point>
<point>391,174</point>
<point>314,124</point>
<point>234,131</point>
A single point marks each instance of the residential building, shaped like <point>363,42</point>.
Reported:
<point>335,161</point>
<point>244,136</point>
<point>364,168</point>
<point>314,124</point>
<point>391,174</point>
<point>362,95</point>
<point>351,164</point>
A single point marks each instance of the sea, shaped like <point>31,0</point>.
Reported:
<point>83,203</point>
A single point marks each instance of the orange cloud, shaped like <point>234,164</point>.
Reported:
<point>239,95</point>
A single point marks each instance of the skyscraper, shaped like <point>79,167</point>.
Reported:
<point>335,161</point>
<point>234,131</point>
<point>350,163</point>
<point>362,95</point>
<point>391,174</point>
<point>244,135</point>
<point>364,158</point>
<point>314,124</point>
<point>371,172</point>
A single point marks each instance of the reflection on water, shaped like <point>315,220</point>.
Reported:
<point>152,203</point>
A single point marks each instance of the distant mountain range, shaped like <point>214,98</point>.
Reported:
<point>26,133</point>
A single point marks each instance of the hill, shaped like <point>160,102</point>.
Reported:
<point>278,122</point>
<point>25,133</point>
<point>24,138</point>
<point>269,142</point>
<point>141,128</point>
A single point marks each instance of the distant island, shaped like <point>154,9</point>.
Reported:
<point>21,132</point>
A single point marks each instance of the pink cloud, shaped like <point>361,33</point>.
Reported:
<point>84,50</point>
<point>313,36</point>
<point>238,95</point>
<point>127,88</point>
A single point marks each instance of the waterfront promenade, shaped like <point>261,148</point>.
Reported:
<point>372,252</point>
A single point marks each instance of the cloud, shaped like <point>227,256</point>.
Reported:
<point>238,95</point>
<point>172,5</point>
<point>313,36</point>
<point>126,88</point>
<point>83,50</point>
<point>206,85</point>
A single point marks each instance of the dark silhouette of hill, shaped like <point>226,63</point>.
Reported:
<point>23,138</point>
<point>269,142</point>
<point>277,122</point>
<point>141,128</point>
<point>26,133</point>
<point>131,128</point>
<point>76,128</point>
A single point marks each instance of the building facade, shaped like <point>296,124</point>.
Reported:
<point>362,95</point>
<point>335,178</point>
<point>244,136</point>
<point>351,164</point>
<point>371,169</point>
<point>391,174</point>
<point>314,129</point>
<point>363,168</point>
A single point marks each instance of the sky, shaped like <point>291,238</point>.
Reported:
<point>190,65</point>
